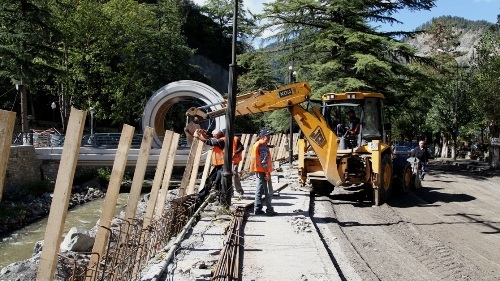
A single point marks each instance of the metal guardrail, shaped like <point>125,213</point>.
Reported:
<point>52,138</point>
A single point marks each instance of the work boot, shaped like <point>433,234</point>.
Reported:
<point>271,213</point>
<point>258,212</point>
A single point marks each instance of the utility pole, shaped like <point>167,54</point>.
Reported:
<point>291,79</point>
<point>227,173</point>
<point>24,113</point>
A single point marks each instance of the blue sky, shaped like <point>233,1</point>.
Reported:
<point>468,9</point>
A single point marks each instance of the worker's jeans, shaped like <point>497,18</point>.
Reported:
<point>236,180</point>
<point>263,188</point>
<point>422,170</point>
<point>214,179</point>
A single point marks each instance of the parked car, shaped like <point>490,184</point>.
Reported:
<point>402,168</point>
<point>401,151</point>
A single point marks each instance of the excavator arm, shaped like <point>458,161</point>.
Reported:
<point>313,125</point>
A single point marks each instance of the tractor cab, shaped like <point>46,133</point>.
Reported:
<point>355,117</point>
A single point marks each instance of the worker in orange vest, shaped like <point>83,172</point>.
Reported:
<point>261,164</point>
<point>217,142</point>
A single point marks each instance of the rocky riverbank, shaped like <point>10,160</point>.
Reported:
<point>16,214</point>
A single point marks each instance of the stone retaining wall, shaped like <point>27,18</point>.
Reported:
<point>23,167</point>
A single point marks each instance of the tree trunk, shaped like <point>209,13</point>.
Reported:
<point>454,148</point>
<point>495,157</point>
<point>494,146</point>
<point>444,149</point>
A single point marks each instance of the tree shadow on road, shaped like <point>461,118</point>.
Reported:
<point>427,197</point>
<point>438,168</point>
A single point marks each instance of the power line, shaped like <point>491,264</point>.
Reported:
<point>7,92</point>
<point>15,99</point>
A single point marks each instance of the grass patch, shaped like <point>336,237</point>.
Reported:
<point>28,191</point>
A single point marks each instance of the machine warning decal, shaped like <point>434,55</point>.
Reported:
<point>284,93</point>
<point>318,137</point>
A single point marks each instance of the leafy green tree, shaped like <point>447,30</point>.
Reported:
<point>450,103</point>
<point>487,95</point>
<point>26,48</point>
<point>120,52</point>
<point>256,73</point>
<point>487,82</point>
<point>221,13</point>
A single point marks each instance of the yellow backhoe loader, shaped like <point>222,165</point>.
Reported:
<point>328,157</point>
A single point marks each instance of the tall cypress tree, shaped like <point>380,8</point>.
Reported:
<point>335,46</point>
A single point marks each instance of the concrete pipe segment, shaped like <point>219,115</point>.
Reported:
<point>166,109</point>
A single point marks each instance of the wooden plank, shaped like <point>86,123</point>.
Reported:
<point>274,142</point>
<point>280,148</point>
<point>140,171</point>
<point>281,143</point>
<point>249,154</point>
<point>244,153</point>
<point>196,166</point>
<point>206,169</point>
<point>285,143</point>
<point>189,167</point>
<point>62,192</point>
<point>165,186</point>
<point>109,205</point>
<point>7,120</point>
<point>295,143</point>
<point>153,195</point>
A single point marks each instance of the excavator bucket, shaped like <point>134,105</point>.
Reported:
<point>189,130</point>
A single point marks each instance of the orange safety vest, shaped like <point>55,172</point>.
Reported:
<point>218,155</point>
<point>256,161</point>
<point>236,157</point>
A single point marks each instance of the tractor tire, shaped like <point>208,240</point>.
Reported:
<point>383,192</point>
<point>416,183</point>
<point>322,187</point>
<point>404,179</point>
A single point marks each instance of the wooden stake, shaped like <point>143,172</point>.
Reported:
<point>244,153</point>
<point>62,192</point>
<point>196,166</point>
<point>189,168</point>
<point>165,186</point>
<point>7,120</point>
<point>249,154</point>
<point>109,205</point>
<point>206,169</point>
<point>140,171</point>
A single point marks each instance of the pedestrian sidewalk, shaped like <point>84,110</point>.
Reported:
<point>286,246</point>
<point>278,248</point>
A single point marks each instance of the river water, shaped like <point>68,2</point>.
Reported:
<point>19,245</point>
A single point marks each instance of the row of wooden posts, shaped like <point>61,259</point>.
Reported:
<point>158,195</point>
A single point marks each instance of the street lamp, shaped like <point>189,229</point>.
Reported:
<point>53,106</point>
<point>291,74</point>
<point>92,111</point>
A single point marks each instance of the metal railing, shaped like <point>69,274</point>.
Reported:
<point>52,138</point>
